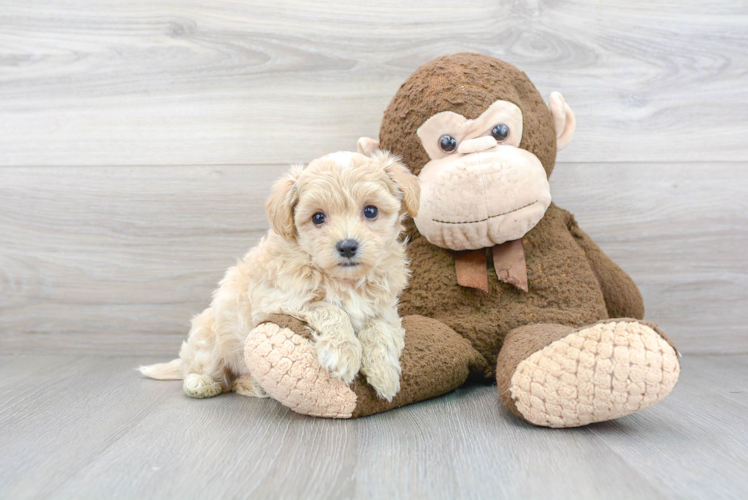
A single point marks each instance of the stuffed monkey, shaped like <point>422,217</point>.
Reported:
<point>505,286</point>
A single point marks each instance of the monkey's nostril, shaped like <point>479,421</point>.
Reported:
<point>347,248</point>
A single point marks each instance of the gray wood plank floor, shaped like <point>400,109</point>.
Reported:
<point>91,427</point>
<point>138,141</point>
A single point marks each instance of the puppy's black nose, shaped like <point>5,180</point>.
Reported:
<point>347,248</point>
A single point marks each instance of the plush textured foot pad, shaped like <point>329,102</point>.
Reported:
<point>597,373</point>
<point>285,365</point>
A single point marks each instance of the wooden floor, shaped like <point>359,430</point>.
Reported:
<point>139,140</point>
<point>92,427</point>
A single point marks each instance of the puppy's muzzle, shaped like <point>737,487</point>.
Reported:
<point>347,249</point>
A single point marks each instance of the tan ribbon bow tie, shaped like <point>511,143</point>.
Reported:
<point>508,260</point>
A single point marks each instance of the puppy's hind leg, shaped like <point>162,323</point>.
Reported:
<point>246,385</point>
<point>201,386</point>
<point>203,364</point>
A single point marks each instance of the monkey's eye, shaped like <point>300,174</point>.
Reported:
<point>371,212</point>
<point>448,143</point>
<point>500,132</point>
<point>318,218</point>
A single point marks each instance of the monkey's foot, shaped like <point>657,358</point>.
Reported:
<point>280,355</point>
<point>596,373</point>
<point>286,367</point>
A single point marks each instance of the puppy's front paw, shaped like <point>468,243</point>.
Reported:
<point>384,377</point>
<point>342,358</point>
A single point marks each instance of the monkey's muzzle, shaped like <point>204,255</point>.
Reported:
<point>482,199</point>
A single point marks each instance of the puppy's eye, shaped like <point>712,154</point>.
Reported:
<point>500,132</point>
<point>371,212</point>
<point>448,143</point>
<point>318,218</point>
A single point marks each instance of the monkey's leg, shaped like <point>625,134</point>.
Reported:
<point>559,376</point>
<point>280,355</point>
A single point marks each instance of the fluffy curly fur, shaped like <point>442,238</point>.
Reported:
<point>349,301</point>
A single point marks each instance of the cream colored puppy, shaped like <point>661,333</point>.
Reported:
<point>333,259</point>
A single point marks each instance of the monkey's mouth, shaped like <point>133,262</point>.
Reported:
<point>487,218</point>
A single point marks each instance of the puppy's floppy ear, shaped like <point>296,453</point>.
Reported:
<point>406,182</point>
<point>279,207</point>
<point>367,146</point>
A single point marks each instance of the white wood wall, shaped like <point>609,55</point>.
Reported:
<point>138,140</point>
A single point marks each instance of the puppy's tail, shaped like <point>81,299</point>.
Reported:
<point>163,371</point>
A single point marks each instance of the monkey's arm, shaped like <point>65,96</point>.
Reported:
<point>622,297</point>
<point>279,354</point>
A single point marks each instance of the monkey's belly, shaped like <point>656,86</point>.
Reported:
<point>563,290</point>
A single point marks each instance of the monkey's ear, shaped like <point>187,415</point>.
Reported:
<point>563,120</point>
<point>367,146</point>
<point>279,207</point>
<point>406,182</point>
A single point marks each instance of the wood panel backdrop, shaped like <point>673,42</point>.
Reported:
<point>139,138</point>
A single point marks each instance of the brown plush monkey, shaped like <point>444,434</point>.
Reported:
<point>505,284</point>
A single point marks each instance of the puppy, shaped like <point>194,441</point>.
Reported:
<point>333,259</point>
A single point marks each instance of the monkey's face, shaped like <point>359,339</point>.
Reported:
<point>479,189</point>
<point>481,139</point>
